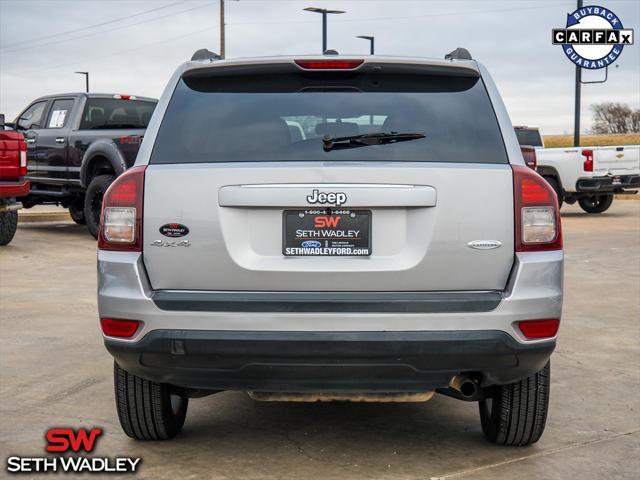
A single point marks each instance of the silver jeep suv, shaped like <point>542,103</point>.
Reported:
<point>331,228</point>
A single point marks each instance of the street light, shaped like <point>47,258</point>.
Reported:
<point>324,13</point>
<point>223,41</point>
<point>371,40</point>
<point>86,79</point>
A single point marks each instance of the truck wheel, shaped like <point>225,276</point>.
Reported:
<point>8,226</point>
<point>596,203</point>
<point>76,211</point>
<point>147,410</point>
<point>556,188</point>
<point>516,413</point>
<point>93,201</point>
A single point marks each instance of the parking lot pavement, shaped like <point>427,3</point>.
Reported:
<point>54,371</point>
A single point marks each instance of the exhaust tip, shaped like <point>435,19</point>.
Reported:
<point>465,386</point>
<point>468,388</point>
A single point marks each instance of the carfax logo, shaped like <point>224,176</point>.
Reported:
<point>593,38</point>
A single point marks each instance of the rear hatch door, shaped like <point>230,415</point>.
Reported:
<point>239,172</point>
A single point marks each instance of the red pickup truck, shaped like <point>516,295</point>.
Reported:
<point>13,182</point>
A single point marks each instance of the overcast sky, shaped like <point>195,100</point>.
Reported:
<point>134,46</point>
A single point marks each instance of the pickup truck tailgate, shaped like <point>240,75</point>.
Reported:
<point>621,160</point>
<point>13,156</point>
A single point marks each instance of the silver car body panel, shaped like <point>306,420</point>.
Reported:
<point>534,291</point>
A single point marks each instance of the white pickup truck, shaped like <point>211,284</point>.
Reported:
<point>587,175</point>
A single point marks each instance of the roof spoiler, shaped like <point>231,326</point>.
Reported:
<point>459,54</point>
<point>204,54</point>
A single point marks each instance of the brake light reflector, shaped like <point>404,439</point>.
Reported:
<point>536,193</point>
<point>22,146</point>
<point>587,165</point>
<point>119,328</point>
<point>121,219</point>
<point>535,329</point>
<point>537,216</point>
<point>336,64</point>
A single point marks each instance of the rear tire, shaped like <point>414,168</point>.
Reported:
<point>553,181</point>
<point>596,203</point>
<point>147,410</point>
<point>8,226</point>
<point>516,413</point>
<point>93,201</point>
<point>76,211</point>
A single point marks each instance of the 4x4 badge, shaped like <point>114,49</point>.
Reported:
<point>167,243</point>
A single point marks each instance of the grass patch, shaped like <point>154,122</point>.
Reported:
<point>592,140</point>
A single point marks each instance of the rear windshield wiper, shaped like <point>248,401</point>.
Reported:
<point>336,143</point>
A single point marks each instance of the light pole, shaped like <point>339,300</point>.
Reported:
<point>324,13</point>
<point>86,79</point>
<point>222,33</point>
<point>576,108</point>
<point>371,41</point>
<point>223,40</point>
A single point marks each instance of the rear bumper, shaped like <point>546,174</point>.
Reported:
<point>18,188</point>
<point>358,341</point>
<point>607,185</point>
<point>327,361</point>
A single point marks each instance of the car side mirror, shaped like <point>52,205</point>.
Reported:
<point>1,121</point>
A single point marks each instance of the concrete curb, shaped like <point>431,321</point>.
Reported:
<point>34,217</point>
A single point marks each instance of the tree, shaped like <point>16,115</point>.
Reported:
<point>635,121</point>
<point>610,117</point>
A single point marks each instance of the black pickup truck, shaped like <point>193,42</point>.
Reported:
<point>77,144</point>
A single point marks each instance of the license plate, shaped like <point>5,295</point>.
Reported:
<point>326,233</point>
<point>616,181</point>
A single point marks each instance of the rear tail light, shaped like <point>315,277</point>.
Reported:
<point>119,328</point>
<point>121,219</point>
<point>536,329</point>
<point>587,165</point>
<point>336,64</point>
<point>529,155</point>
<point>537,216</point>
<point>23,158</point>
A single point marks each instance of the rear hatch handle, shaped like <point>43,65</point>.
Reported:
<point>347,194</point>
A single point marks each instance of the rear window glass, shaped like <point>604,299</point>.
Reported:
<point>529,136</point>
<point>285,117</point>
<point>106,113</point>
